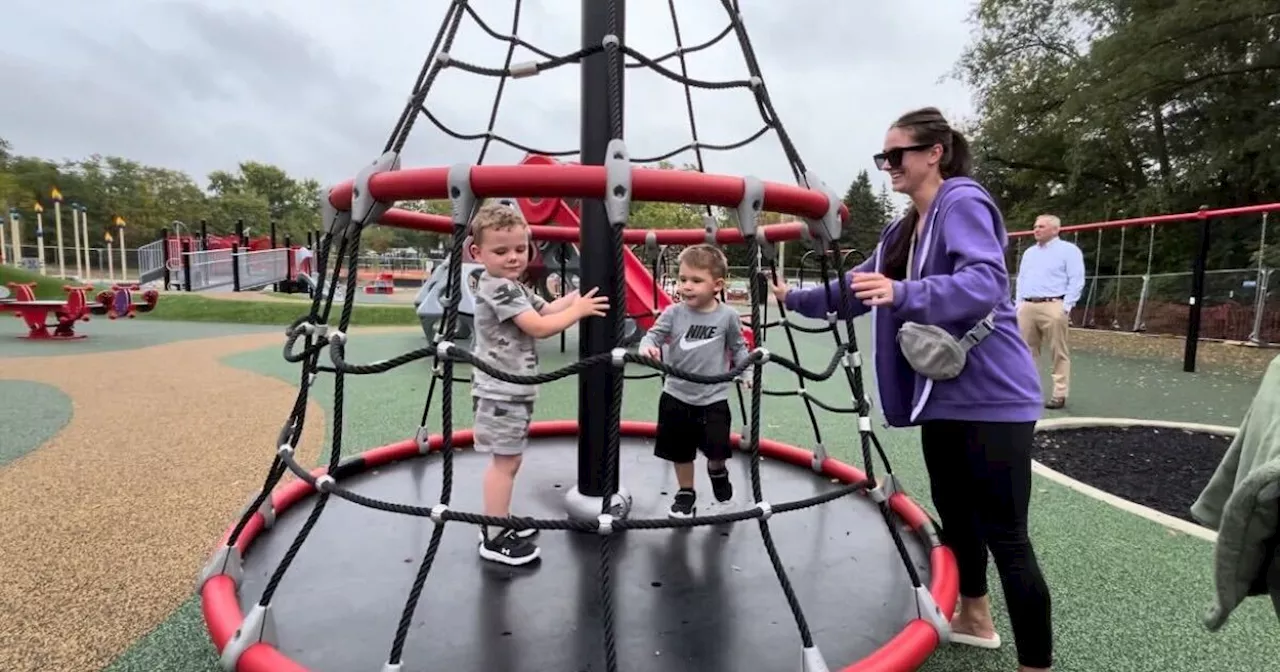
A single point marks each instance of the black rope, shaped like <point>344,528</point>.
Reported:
<point>757,490</point>
<point>446,450</point>
<point>526,523</point>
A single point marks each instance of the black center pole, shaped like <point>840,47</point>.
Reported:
<point>596,258</point>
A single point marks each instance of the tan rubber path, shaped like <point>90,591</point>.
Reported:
<point>106,526</point>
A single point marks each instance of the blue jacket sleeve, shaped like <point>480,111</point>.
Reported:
<point>971,238</point>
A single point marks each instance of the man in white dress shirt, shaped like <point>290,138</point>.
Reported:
<point>1050,280</point>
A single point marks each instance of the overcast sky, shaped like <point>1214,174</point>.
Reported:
<point>315,86</point>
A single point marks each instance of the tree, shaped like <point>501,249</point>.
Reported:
<point>867,217</point>
<point>1090,108</point>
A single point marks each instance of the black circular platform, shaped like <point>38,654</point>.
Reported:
<point>704,599</point>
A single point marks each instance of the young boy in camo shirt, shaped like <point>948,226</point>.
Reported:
<point>508,321</point>
<point>703,336</point>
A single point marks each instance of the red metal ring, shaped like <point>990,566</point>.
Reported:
<point>559,180</point>
<point>906,651</point>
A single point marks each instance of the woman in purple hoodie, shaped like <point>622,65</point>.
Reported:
<point>942,265</point>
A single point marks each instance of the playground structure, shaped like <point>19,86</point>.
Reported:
<point>237,262</point>
<point>383,283</point>
<point>910,579</point>
<point>13,254</point>
<point>118,302</point>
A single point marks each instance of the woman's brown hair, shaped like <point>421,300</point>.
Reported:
<point>926,126</point>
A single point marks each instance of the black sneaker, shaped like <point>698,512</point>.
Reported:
<point>683,507</point>
<point>522,534</point>
<point>721,486</point>
<point>508,548</point>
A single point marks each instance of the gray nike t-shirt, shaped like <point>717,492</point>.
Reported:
<point>499,342</point>
<point>699,342</point>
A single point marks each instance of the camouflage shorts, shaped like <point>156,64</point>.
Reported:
<point>502,427</point>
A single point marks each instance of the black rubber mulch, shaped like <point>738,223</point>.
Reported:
<point>1163,469</point>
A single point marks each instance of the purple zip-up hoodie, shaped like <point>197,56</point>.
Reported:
<point>959,260</point>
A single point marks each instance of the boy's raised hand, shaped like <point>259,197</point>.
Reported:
<point>590,305</point>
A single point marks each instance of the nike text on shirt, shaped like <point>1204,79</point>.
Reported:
<point>704,343</point>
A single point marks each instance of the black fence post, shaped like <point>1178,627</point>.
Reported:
<point>164,257</point>
<point>186,265</point>
<point>275,286</point>
<point>1197,294</point>
<point>235,267</point>
<point>204,235</point>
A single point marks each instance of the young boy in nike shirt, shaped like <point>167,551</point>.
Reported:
<point>703,336</point>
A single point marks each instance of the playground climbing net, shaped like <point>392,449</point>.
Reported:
<point>342,238</point>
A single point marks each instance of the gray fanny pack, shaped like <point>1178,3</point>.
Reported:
<point>936,354</point>
<point>931,350</point>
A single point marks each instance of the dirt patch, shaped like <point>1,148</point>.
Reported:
<point>1227,356</point>
<point>108,523</point>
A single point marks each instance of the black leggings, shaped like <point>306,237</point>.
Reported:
<point>980,477</point>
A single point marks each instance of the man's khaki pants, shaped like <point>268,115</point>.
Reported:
<point>1046,323</point>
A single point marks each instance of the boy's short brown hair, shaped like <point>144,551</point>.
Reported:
<point>707,258</point>
<point>495,216</point>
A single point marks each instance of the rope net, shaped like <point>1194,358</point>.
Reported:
<point>340,245</point>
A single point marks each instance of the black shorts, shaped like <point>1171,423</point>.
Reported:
<point>684,429</point>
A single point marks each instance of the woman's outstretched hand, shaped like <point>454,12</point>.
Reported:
<point>780,292</point>
<point>873,289</point>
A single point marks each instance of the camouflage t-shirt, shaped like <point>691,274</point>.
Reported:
<point>499,342</point>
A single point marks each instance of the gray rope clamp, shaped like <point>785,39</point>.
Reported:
<point>462,200</point>
<point>819,452</point>
<point>259,625</point>
<point>812,660</point>
<point>711,227</point>
<point>751,205</point>
<point>364,208</point>
<point>930,612</point>
<point>226,561</point>
<point>888,486</point>
<point>651,242</point>
<point>826,228</point>
<point>617,183</point>
<point>423,439</point>
<point>336,223</point>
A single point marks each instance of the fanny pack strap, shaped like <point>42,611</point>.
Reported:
<point>980,331</point>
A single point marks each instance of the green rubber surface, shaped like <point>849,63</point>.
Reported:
<point>115,335</point>
<point>1128,594</point>
<point>30,414</point>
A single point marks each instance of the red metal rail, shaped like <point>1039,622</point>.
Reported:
<point>1163,219</point>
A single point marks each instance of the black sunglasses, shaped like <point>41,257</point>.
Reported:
<point>892,158</point>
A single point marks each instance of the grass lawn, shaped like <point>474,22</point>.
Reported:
<point>196,307</point>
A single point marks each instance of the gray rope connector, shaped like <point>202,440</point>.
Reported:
<point>522,70</point>
<point>437,513</point>
<point>259,625</point>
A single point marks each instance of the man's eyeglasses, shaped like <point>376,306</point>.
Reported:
<point>892,158</point>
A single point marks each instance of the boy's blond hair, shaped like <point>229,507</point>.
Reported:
<point>495,216</point>
<point>707,258</point>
